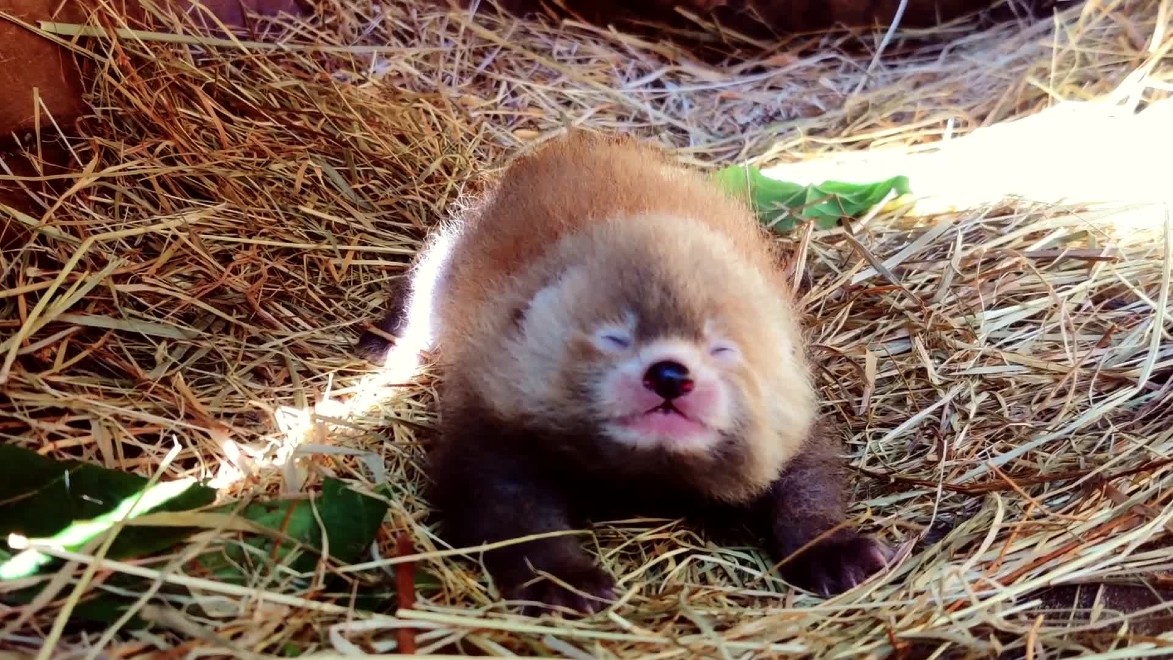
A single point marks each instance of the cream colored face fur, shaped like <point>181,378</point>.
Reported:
<point>714,408</point>
<point>593,326</point>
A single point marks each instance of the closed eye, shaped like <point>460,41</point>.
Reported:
<point>723,351</point>
<point>613,340</point>
<point>617,341</point>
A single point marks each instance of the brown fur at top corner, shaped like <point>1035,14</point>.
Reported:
<point>766,23</point>
<point>617,227</point>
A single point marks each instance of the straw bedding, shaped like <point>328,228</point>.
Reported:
<point>1002,374</point>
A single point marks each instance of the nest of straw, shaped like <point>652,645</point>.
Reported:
<point>1003,375</point>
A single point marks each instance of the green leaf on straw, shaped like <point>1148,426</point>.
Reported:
<point>66,504</point>
<point>780,205</point>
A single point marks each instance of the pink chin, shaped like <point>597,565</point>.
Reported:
<point>671,427</point>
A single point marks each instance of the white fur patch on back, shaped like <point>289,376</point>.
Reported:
<point>428,281</point>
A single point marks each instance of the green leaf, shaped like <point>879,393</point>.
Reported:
<point>782,204</point>
<point>349,518</point>
<point>66,504</point>
<point>353,519</point>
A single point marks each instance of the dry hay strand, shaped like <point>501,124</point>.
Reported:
<point>187,301</point>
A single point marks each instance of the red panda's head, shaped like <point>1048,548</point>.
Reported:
<point>648,336</point>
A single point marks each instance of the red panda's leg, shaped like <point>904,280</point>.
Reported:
<point>807,505</point>
<point>486,496</point>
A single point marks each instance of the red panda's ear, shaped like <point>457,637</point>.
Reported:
<point>556,292</point>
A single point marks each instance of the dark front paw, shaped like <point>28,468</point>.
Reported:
<point>837,564</point>
<point>568,583</point>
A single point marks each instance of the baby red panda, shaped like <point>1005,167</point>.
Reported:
<point>614,337</point>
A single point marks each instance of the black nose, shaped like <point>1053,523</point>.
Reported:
<point>668,379</point>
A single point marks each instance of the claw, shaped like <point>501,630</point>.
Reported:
<point>833,566</point>
<point>590,590</point>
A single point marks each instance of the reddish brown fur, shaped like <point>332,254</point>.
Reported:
<point>544,198</point>
<point>580,229</point>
